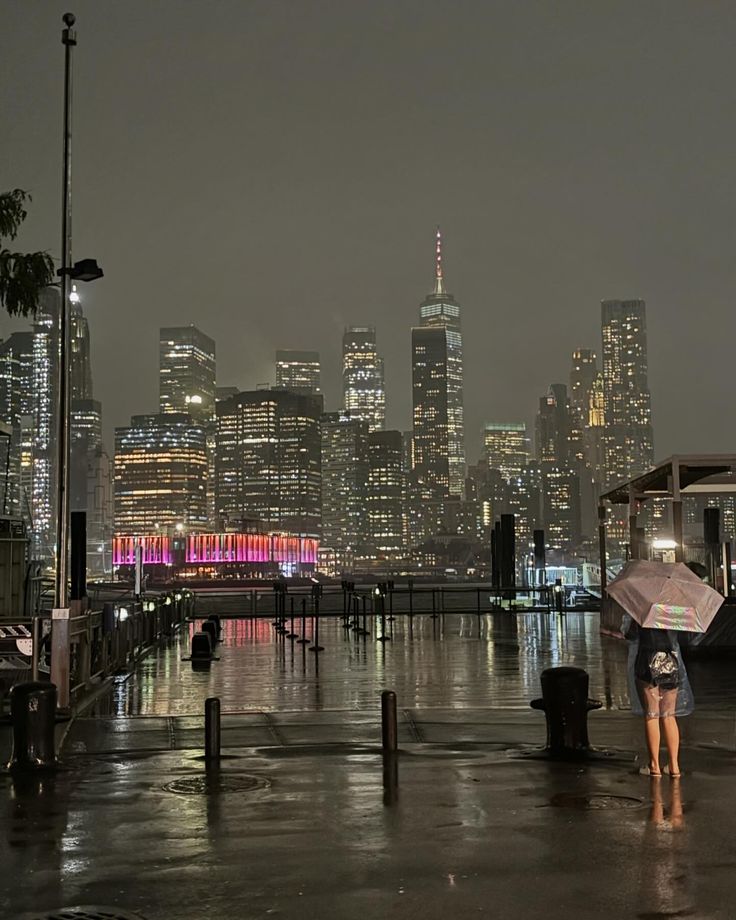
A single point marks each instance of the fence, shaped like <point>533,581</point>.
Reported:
<point>80,648</point>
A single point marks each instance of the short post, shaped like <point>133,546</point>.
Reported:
<point>316,647</point>
<point>212,731</point>
<point>291,634</point>
<point>33,711</point>
<point>381,599</point>
<point>389,724</point>
<point>304,640</point>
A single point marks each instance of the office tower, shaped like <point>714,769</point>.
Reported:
<point>16,402</point>
<point>344,484</point>
<point>506,446</point>
<point>438,387</point>
<point>187,372</point>
<point>627,402</point>
<point>268,460</point>
<point>562,516</point>
<point>160,474</point>
<point>298,371</point>
<point>45,423</point>
<point>362,377</point>
<point>98,506</point>
<point>487,488</point>
<point>387,532</point>
<point>583,374</point>
<point>525,501</point>
<point>553,428</point>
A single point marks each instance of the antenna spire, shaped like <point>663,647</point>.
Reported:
<point>439,287</point>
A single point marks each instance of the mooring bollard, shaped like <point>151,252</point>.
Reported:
<point>566,706</point>
<point>212,731</point>
<point>389,724</point>
<point>214,618</point>
<point>33,711</point>
<point>201,653</point>
<point>210,629</point>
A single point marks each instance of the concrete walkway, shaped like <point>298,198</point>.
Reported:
<point>303,820</point>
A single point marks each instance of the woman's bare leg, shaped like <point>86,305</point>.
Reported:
<point>671,732</point>
<point>651,701</point>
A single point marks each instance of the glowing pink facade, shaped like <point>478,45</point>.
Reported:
<point>223,548</point>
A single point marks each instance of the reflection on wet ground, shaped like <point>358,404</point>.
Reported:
<point>460,661</point>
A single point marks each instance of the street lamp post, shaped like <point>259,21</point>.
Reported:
<point>85,270</point>
<point>69,40</point>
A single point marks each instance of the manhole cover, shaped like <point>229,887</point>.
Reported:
<point>216,784</point>
<point>595,801</point>
<point>85,913</point>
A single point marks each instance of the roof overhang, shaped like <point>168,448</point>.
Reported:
<point>712,474</point>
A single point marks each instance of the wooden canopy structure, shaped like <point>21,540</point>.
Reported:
<point>671,479</point>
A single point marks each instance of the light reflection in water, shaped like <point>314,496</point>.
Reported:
<point>454,661</point>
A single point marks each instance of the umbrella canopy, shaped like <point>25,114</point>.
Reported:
<point>665,595</point>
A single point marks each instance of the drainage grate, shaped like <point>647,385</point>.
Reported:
<point>595,801</point>
<point>216,784</point>
<point>86,913</point>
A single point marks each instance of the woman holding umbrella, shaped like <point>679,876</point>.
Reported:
<point>659,600</point>
<point>659,690</point>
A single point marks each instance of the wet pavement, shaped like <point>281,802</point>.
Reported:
<point>304,819</point>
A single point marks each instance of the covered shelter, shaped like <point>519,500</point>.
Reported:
<point>671,479</point>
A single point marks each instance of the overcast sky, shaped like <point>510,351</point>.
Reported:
<point>273,171</point>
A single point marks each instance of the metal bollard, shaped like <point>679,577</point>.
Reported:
<point>390,777</point>
<point>566,705</point>
<point>389,724</point>
<point>304,640</point>
<point>214,618</point>
<point>33,711</point>
<point>212,732</point>
<point>316,647</point>
<point>201,652</point>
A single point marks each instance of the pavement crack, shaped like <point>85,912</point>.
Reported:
<point>416,732</point>
<point>273,729</point>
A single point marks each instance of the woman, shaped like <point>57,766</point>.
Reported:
<point>659,690</point>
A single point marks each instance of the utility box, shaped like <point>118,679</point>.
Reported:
<point>14,546</point>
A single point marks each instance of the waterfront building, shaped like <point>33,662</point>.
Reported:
<point>386,509</point>
<point>268,460</point>
<point>345,464</point>
<point>526,502</point>
<point>364,392</point>
<point>299,371</point>
<point>160,474</point>
<point>187,369</point>
<point>506,447</point>
<point>627,402</point>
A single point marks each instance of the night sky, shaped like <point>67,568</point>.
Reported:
<point>273,171</point>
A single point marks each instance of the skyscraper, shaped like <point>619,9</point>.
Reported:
<point>506,446</point>
<point>187,372</point>
<point>344,485</point>
<point>160,474</point>
<point>439,428</point>
<point>362,377</point>
<point>438,444</point>
<point>627,402</point>
<point>298,371</point>
<point>553,428</point>
<point>16,405</point>
<point>386,536</point>
<point>268,460</point>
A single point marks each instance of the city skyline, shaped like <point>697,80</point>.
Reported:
<point>589,191</point>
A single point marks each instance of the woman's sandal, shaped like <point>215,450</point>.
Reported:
<point>646,771</point>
